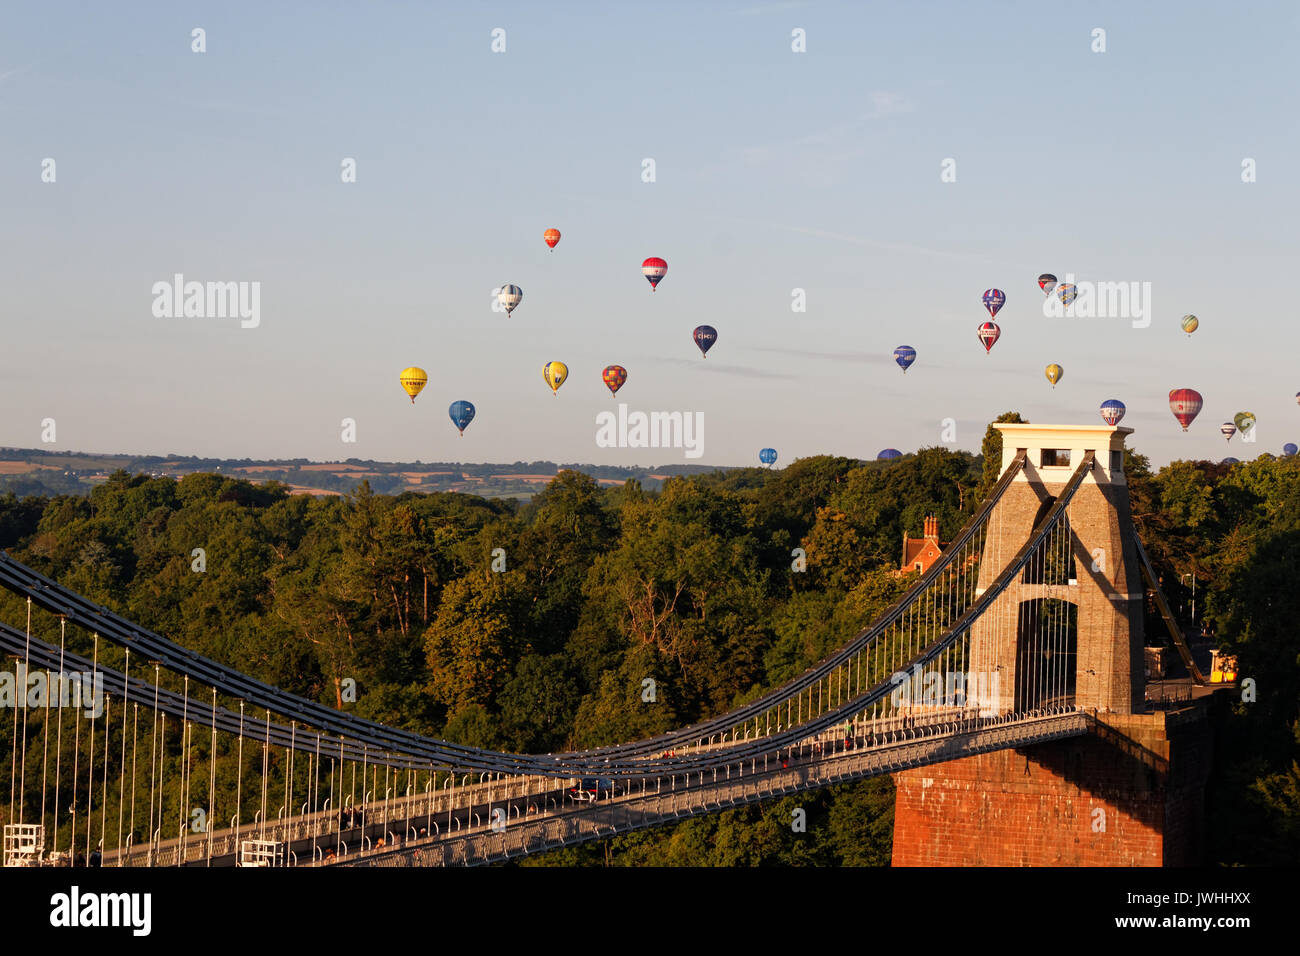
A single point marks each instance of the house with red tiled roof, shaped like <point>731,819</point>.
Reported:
<point>920,553</point>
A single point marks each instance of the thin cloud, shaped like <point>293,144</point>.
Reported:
<point>744,371</point>
<point>873,243</point>
<point>866,357</point>
<point>225,106</point>
<point>769,8</point>
<point>883,103</point>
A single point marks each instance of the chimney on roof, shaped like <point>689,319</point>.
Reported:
<point>932,527</point>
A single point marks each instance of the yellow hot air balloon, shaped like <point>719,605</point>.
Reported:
<point>1190,324</point>
<point>1054,373</point>
<point>413,380</point>
<point>554,374</point>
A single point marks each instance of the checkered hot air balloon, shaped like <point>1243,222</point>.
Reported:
<point>989,333</point>
<point>654,269</point>
<point>1186,404</point>
<point>994,299</point>
<point>614,376</point>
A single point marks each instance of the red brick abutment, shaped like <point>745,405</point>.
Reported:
<point>1131,792</point>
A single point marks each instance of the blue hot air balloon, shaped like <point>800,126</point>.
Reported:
<point>767,456</point>
<point>705,336</point>
<point>1112,411</point>
<point>889,453</point>
<point>1231,461</point>
<point>1289,449</point>
<point>462,413</point>
<point>905,355</point>
<point>993,300</point>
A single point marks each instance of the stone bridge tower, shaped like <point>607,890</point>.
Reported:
<point>1102,580</point>
<point>1131,791</point>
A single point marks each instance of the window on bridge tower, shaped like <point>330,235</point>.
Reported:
<point>1055,457</point>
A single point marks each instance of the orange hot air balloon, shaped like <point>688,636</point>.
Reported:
<point>552,236</point>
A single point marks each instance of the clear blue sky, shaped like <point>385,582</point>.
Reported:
<point>775,170</point>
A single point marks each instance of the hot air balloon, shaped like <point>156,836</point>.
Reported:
<point>654,269</point>
<point>552,236</point>
<point>1067,292</point>
<point>614,376</point>
<point>887,454</point>
<point>462,413</point>
<point>1297,398</point>
<point>1190,324</point>
<point>413,379</point>
<point>1289,449</point>
<point>1054,373</point>
<point>1231,461</point>
<point>994,299</point>
<point>767,456</point>
<point>705,336</point>
<point>1047,282</point>
<point>989,334</point>
<point>1185,403</point>
<point>1112,411</point>
<point>554,374</point>
<point>904,355</point>
<point>1244,421</point>
<point>510,296</point>
<point>1227,430</point>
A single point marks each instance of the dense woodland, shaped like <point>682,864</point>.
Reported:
<point>693,586</point>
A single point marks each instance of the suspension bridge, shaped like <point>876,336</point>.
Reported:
<point>1025,634</point>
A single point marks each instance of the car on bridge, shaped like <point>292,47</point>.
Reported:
<point>589,789</point>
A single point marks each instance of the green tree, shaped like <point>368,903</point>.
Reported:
<point>991,453</point>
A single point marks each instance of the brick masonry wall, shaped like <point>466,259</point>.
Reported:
<point>1036,806</point>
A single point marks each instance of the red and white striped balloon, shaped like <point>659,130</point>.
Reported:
<point>654,269</point>
<point>989,333</point>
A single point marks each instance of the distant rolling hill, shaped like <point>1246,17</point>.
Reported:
<point>30,471</point>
